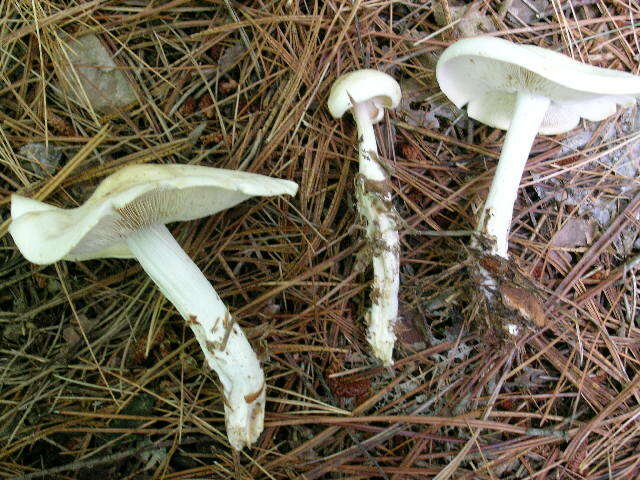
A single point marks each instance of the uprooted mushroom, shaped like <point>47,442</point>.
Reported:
<point>366,93</point>
<point>125,218</point>
<point>524,90</point>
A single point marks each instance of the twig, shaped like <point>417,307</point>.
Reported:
<point>114,457</point>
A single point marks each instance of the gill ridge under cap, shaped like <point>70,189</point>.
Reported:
<point>131,198</point>
<point>485,73</point>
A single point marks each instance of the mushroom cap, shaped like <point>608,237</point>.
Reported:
<point>362,86</point>
<point>132,198</point>
<point>486,73</point>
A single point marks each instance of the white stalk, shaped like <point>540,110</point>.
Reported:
<point>363,114</point>
<point>375,205</point>
<point>495,219</point>
<point>223,343</point>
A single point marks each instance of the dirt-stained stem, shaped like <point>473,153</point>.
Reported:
<point>495,219</point>
<point>376,207</point>
<point>225,347</point>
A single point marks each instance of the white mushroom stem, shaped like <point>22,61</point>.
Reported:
<point>495,219</point>
<point>364,114</point>
<point>375,205</point>
<point>223,343</point>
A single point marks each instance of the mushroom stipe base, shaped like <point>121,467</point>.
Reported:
<point>509,303</point>
<point>224,345</point>
<point>376,209</point>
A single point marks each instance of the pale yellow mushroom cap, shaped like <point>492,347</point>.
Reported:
<point>130,199</point>
<point>486,73</point>
<point>362,86</point>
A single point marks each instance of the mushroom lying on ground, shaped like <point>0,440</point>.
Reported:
<point>525,90</point>
<point>124,218</point>
<point>365,93</point>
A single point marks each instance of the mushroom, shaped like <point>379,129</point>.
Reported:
<point>525,90</point>
<point>125,218</point>
<point>365,93</point>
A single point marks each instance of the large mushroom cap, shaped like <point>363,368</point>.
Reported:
<point>486,73</point>
<point>130,199</point>
<point>362,86</point>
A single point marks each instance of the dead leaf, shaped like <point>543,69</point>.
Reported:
<point>471,22</point>
<point>231,55</point>
<point>91,64</point>
<point>528,11</point>
<point>575,232</point>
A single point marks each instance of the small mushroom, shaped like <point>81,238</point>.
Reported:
<point>525,90</point>
<point>365,94</point>
<point>125,218</point>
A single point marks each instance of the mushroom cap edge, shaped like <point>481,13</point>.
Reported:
<point>361,86</point>
<point>45,234</point>
<point>581,90</point>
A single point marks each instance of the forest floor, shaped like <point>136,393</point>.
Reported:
<point>101,378</point>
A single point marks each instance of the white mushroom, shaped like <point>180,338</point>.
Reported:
<point>525,90</point>
<point>125,218</point>
<point>365,93</point>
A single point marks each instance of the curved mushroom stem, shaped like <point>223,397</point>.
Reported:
<point>495,219</point>
<point>223,343</point>
<point>376,206</point>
